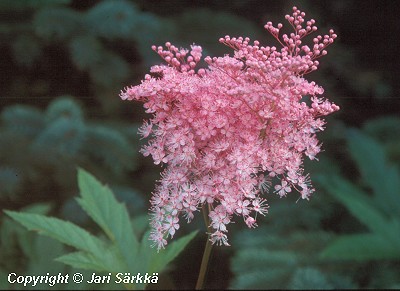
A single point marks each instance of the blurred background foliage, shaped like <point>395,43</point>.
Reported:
<point>63,64</point>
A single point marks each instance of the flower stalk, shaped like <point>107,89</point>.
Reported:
<point>206,254</point>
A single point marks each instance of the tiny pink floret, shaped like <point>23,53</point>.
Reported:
<point>226,132</point>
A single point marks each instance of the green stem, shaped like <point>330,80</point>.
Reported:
<point>206,254</point>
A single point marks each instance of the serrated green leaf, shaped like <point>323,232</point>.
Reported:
<point>105,258</point>
<point>82,260</point>
<point>154,261</point>
<point>60,230</point>
<point>171,252</point>
<point>101,257</point>
<point>100,204</point>
<point>361,247</point>
<point>108,261</point>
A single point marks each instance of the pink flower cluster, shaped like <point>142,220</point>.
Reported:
<point>226,133</point>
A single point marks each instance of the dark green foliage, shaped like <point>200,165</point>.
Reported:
<point>372,199</point>
<point>64,135</point>
<point>9,181</point>
<point>386,130</point>
<point>56,23</point>
<point>284,249</point>
<point>379,212</point>
<point>113,19</point>
<point>381,176</point>
<point>309,278</point>
<point>89,38</point>
<point>86,50</point>
<point>105,140</point>
<point>38,252</point>
<point>24,120</point>
<point>51,143</point>
<point>65,107</point>
<point>267,260</point>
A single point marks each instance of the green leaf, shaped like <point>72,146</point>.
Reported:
<point>123,254</point>
<point>140,224</point>
<point>82,260</point>
<point>108,261</point>
<point>41,258</point>
<point>104,258</point>
<point>113,218</point>
<point>358,203</point>
<point>38,208</point>
<point>361,247</point>
<point>383,178</point>
<point>171,252</point>
<point>60,230</point>
<point>154,261</point>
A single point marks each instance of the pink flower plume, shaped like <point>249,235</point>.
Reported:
<point>227,131</point>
